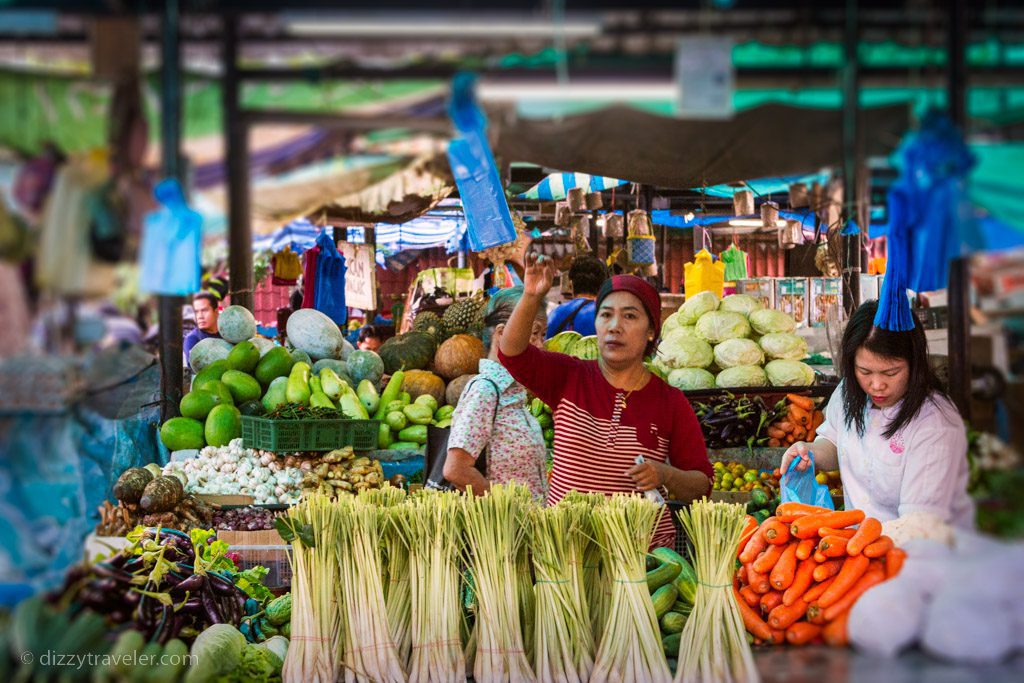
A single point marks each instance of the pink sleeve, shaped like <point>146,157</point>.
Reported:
<point>543,373</point>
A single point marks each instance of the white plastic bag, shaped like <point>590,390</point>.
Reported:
<point>888,618</point>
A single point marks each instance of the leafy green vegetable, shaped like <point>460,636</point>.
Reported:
<point>217,650</point>
<point>251,581</point>
<point>211,553</point>
<point>256,665</point>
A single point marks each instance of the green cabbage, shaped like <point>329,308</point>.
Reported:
<point>734,352</point>
<point>767,321</point>
<point>717,326</point>
<point>681,332</point>
<point>695,306</point>
<point>217,651</point>
<point>685,352</point>
<point>671,323</point>
<point>688,379</point>
<point>784,346</point>
<point>789,373</point>
<point>742,376</point>
<point>741,303</point>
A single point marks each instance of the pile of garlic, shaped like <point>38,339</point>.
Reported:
<point>233,470</point>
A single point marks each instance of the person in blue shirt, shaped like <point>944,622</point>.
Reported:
<point>206,309</point>
<point>586,274</point>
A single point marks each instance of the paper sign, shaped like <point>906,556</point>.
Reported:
<point>706,77</point>
<point>361,277</point>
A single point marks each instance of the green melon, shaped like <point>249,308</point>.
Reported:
<point>215,386</point>
<point>182,433</point>
<point>409,351</point>
<point>236,324</point>
<point>198,403</point>
<point>207,351</point>
<point>365,365</point>
<point>213,371</point>
<point>223,424</point>
<point>245,356</point>
<point>243,387</point>
<point>300,356</point>
<point>316,334</point>
<point>277,363</point>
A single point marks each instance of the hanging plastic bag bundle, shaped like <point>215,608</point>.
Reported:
<point>169,257</point>
<point>329,297</point>
<point>704,274</point>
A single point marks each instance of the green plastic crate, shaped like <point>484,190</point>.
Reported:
<point>289,436</point>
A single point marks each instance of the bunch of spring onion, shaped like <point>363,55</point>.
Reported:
<point>315,650</point>
<point>430,526</point>
<point>396,568</point>
<point>594,582</point>
<point>369,652</point>
<point>495,532</point>
<point>631,648</point>
<point>713,646</point>
<point>564,641</point>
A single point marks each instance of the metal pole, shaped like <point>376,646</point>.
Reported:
<point>236,155</point>
<point>851,157</point>
<point>959,291</point>
<point>169,307</point>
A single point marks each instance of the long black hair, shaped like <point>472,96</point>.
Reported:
<point>911,346</point>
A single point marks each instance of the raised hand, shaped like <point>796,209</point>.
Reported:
<point>538,276</point>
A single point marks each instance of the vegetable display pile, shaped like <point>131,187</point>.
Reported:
<point>235,470</point>
<point>244,519</point>
<point>799,422</point>
<point>731,422</point>
<point>673,586</point>
<point>149,500</point>
<point>542,411</point>
<point>805,567</point>
<point>222,655</point>
<point>341,473</point>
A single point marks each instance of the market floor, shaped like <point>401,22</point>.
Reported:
<point>817,664</point>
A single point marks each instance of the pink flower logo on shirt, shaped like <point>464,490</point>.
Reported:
<point>896,444</point>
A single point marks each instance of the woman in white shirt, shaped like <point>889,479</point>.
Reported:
<point>896,438</point>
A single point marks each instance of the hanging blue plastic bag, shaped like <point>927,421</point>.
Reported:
<point>329,295</point>
<point>802,487</point>
<point>169,257</point>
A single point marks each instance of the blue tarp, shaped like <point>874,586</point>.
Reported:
<point>762,187</point>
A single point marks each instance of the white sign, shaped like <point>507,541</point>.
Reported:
<point>706,77</point>
<point>360,276</point>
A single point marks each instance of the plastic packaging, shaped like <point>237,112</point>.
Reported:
<point>801,487</point>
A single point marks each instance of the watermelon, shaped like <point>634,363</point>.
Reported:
<point>563,342</point>
<point>311,331</point>
<point>236,324</point>
<point>365,365</point>
<point>586,348</point>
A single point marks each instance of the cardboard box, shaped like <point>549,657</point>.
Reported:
<point>826,300</point>
<point>261,548</point>
<point>793,298</point>
<point>762,288</point>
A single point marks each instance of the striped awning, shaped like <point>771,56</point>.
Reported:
<point>299,235</point>
<point>554,187</point>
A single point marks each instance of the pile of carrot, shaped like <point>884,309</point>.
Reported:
<point>800,423</point>
<point>803,569</point>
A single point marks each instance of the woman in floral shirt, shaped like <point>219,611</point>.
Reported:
<point>493,414</point>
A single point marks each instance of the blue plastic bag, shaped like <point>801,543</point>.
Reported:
<point>329,295</point>
<point>802,487</point>
<point>169,257</point>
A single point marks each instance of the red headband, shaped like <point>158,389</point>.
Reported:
<point>639,288</point>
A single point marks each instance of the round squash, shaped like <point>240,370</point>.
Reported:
<point>409,351</point>
<point>419,382</point>
<point>459,356</point>
<point>455,387</point>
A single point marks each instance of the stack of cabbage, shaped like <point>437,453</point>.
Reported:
<point>733,337</point>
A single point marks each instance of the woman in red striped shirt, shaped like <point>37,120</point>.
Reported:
<point>609,411</point>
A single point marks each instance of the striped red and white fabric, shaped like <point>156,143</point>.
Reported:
<point>599,431</point>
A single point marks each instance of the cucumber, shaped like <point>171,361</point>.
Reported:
<point>173,663</point>
<point>670,644</point>
<point>673,622</point>
<point>686,583</point>
<point>663,599</point>
<point>664,574</point>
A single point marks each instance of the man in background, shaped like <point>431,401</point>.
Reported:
<point>586,274</point>
<point>205,307</point>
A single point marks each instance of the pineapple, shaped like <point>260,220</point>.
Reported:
<point>465,316</point>
<point>429,322</point>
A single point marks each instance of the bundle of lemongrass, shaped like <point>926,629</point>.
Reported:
<point>564,642</point>
<point>630,648</point>
<point>594,582</point>
<point>315,650</point>
<point>369,652</point>
<point>495,532</point>
<point>430,527</point>
<point>396,568</point>
<point>713,647</point>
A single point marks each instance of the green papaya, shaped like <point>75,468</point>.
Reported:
<point>396,420</point>
<point>215,386</point>
<point>418,413</point>
<point>245,356</point>
<point>367,393</point>
<point>415,433</point>
<point>314,385</point>
<point>277,362</point>
<point>243,387</point>
<point>182,433</point>
<point>332,385</point>
<point>318,399</point>
<point>198,403</point>
<point>350,404</point>
<point>298,390</point>
<point>213,371</point>
<point>275,396</point>
<point>223,425</point>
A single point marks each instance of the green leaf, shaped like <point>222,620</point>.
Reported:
<point>251,582</point>
<point>284,529</point>
<point>162,598</point>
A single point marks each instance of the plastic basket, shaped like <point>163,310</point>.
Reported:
<point>273,557</point>
<point>290,436</point>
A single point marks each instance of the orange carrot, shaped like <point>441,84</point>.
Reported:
<point>817,419</point>
<point>819,557</point>
<point>805,548</point>
<point>751,598</point>
<point>778,636</point>
<point>790,512</point>
<point>815,613</point>
<point>790,439</point>
<point>834,632</point>
<point>894,562</point>
<point>829,531</point>
<point>812,434</point>
<point>868,532</point>
<point>799,416</point>
<point>785,615</point>
<point>833,546</point>
<point>815,591</point>
<point>802,633</point>
<point>802,402</point>
<point>869,579</point>
<point>799,433</point>
<point>741,575</point>
<point>757,580</point>
<point>774,443</point>
<point>879,548</point>
<point>776,433</point>
<point>749,529</point>
<point>751,621</point>
<point>853,569</point>
<point>827,569</point>
<point>801,582</point>
<point>775,532</point>
<point>785,569</point>
<point>770,601</point>
<point>785,426</point>
<point>765,562</point>
<point>755,545</point>
<point>807,527</point>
